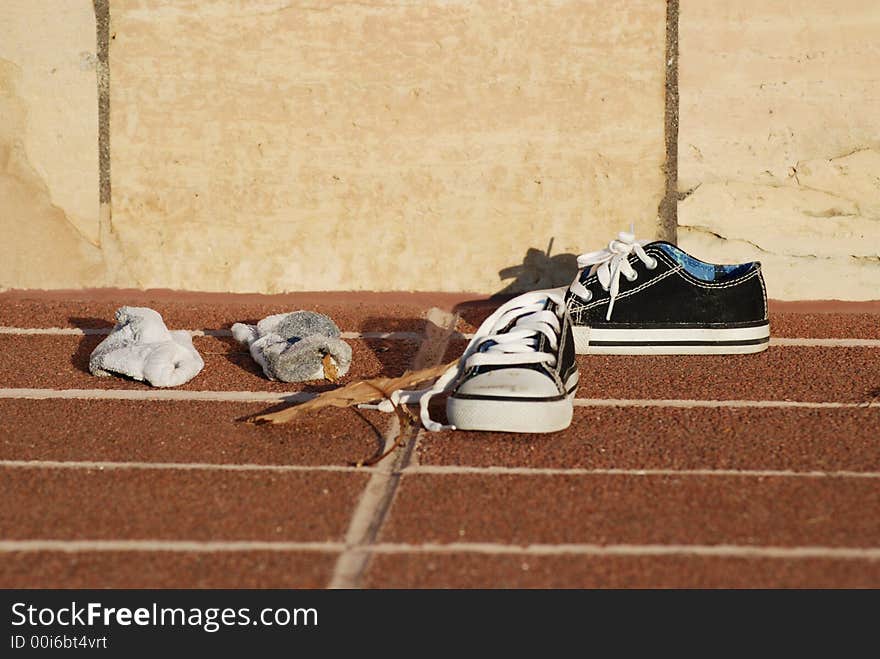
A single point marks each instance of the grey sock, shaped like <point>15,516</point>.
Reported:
<point>301,324</point>
<point>304,359</point>
<point>291,347</point>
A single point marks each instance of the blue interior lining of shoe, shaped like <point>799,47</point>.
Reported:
<point>702,270</point>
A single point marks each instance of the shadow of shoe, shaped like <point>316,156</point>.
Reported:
<point>538,271</point>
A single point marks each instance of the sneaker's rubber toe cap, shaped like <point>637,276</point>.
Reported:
<point>509,383</point>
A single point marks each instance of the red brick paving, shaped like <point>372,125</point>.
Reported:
<point>182,431</point>
<point>624,509</point>
<point>216,505</point>
<point>164,569</point>
<point>677,438</point>
<point>134,504</point>
<point>817,374</point>
<point>828,325</point>
<point>569,571</point>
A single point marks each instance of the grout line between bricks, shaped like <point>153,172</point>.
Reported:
<point>831,343</point>
<point>414,468</point>
<point>101,465</point>
<point>562,471</point>
<point>487,548</point>
<point>491,548</point>
<point>165,545</point>
<point>157,395</point>
<point>674,402</point>
<point>378,496</point>
<point>298,397</point>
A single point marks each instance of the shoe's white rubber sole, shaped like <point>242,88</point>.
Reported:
<point>693,341</point>
<point>506,415</point>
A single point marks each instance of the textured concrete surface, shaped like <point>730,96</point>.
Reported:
<point>285,146</point>
<point>779,154</point>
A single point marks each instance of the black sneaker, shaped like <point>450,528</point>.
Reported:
<point>517,374</point>
<point>636,298</point>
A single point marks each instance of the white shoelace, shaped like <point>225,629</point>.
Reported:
<point>609,264</point>
<point>518,345</point>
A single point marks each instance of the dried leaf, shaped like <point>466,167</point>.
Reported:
<point>355,393</point>
<point>873,396</point>
<point>330,371</point>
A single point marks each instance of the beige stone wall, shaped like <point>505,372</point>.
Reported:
<point>372,145</point>
<point>49,207</point>
<point>273,145</point>
<point>779,141</point>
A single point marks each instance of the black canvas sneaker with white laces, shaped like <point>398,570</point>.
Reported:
<point>517,374</point>
<point>640,297</point>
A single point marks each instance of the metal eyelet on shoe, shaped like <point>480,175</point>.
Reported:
<point>633,278</point>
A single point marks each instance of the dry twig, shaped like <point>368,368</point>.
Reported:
<point>363,391</point>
